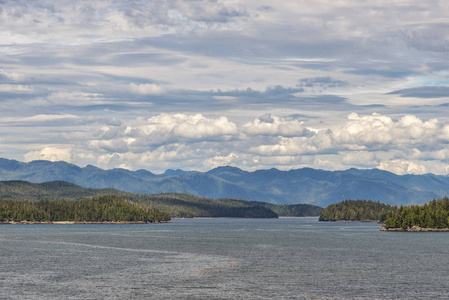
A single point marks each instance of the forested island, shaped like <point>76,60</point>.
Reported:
<point>175,205</point>
<point>357,211</point>
<point>432,216</point>
<point>103,209</point>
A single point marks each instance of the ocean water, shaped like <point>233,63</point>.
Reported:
<point>287,258</point>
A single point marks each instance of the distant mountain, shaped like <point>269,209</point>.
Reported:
<point>305,185</point>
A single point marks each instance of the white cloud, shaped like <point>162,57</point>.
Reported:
<point>220,160</point>
<point>272,125</point>
<point>14,76</point>
<point>51,153</point>
<point>360,158</point>
<point>15,88</point>
<point>445,132</point>
<point>198,142</point>
<point>143,134</point>
<point>379,131</point>
<point>361,140</point>
<point>146,89</point>
<point>401,167</point>
<point>190,126</point>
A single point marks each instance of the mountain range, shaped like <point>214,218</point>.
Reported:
<point>306,185</point>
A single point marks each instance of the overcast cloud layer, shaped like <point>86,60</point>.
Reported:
<point>199,84</point>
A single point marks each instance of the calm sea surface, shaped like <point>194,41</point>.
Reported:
<point>287,258</point>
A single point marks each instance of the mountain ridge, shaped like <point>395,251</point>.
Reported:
<point>305,185</point>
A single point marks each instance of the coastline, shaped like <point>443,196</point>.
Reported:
<point>77,222</point>
<point>415,229</point>
<point>355,221</point>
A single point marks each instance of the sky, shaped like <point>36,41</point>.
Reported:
<point>254,84</point>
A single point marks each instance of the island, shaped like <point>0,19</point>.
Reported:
<point>104,209</point>
<point>429,217</point>
<point>356,211</point>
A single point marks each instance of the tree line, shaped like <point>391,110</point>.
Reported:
<point>98,209</point>
<point>356,210</point>
<point>434,214</point>
<point>176,205</point>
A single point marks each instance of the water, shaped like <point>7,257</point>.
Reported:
<point>287,258</point>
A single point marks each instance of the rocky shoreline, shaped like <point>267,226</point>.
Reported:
<point>415,229</point>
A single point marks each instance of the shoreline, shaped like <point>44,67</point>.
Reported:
<point>355,221</point>
<point>207,218</point>
<point>77,222</point>
<point>211,218</point>
<point>415,229</point>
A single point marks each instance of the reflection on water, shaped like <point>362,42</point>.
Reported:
<point>287,258</point>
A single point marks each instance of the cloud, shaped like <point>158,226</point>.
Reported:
<point>379,131</point>
<point>269,125</point>
<point>51,153</point>
<point>141,134</point>
<point>145,89</point>
<point>362,140</point>
<point>189,126</point>
<point>145,83</point>
<point>220,160</point>
<point>15,88</point>
<point>402,167</point>
<point>12,76</point>
<point>405,144</point>
<point>42,120</point>
<point>322,83</point>
<point>360,158</point>
<point>424,92</point>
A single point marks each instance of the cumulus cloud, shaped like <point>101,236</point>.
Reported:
<point>272,125</point>
<point>362,138</point>
<point>220,160</point>
<point>191,126</point>
<point>445,133</point>
<point>142,133</point>
<point>51,153</point>
<point>401,167</point>
<point>379,130</point>
<point>319,143</point>
<point>405,144</point>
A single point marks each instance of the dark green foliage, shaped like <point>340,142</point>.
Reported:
<point>176,205</point>
<point>189,206</point>
<point>295,210</point>
<point>285,210</point>
<point>54,190</point>
<point>356,210</point>
<point>102,209</point>
<point>434,214</point>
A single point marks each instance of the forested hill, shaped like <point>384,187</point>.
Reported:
<point>432,215</point>
<point>176,205</point>
<point>317,187</point>
<point>101,209</point>
<point>356,210</point>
